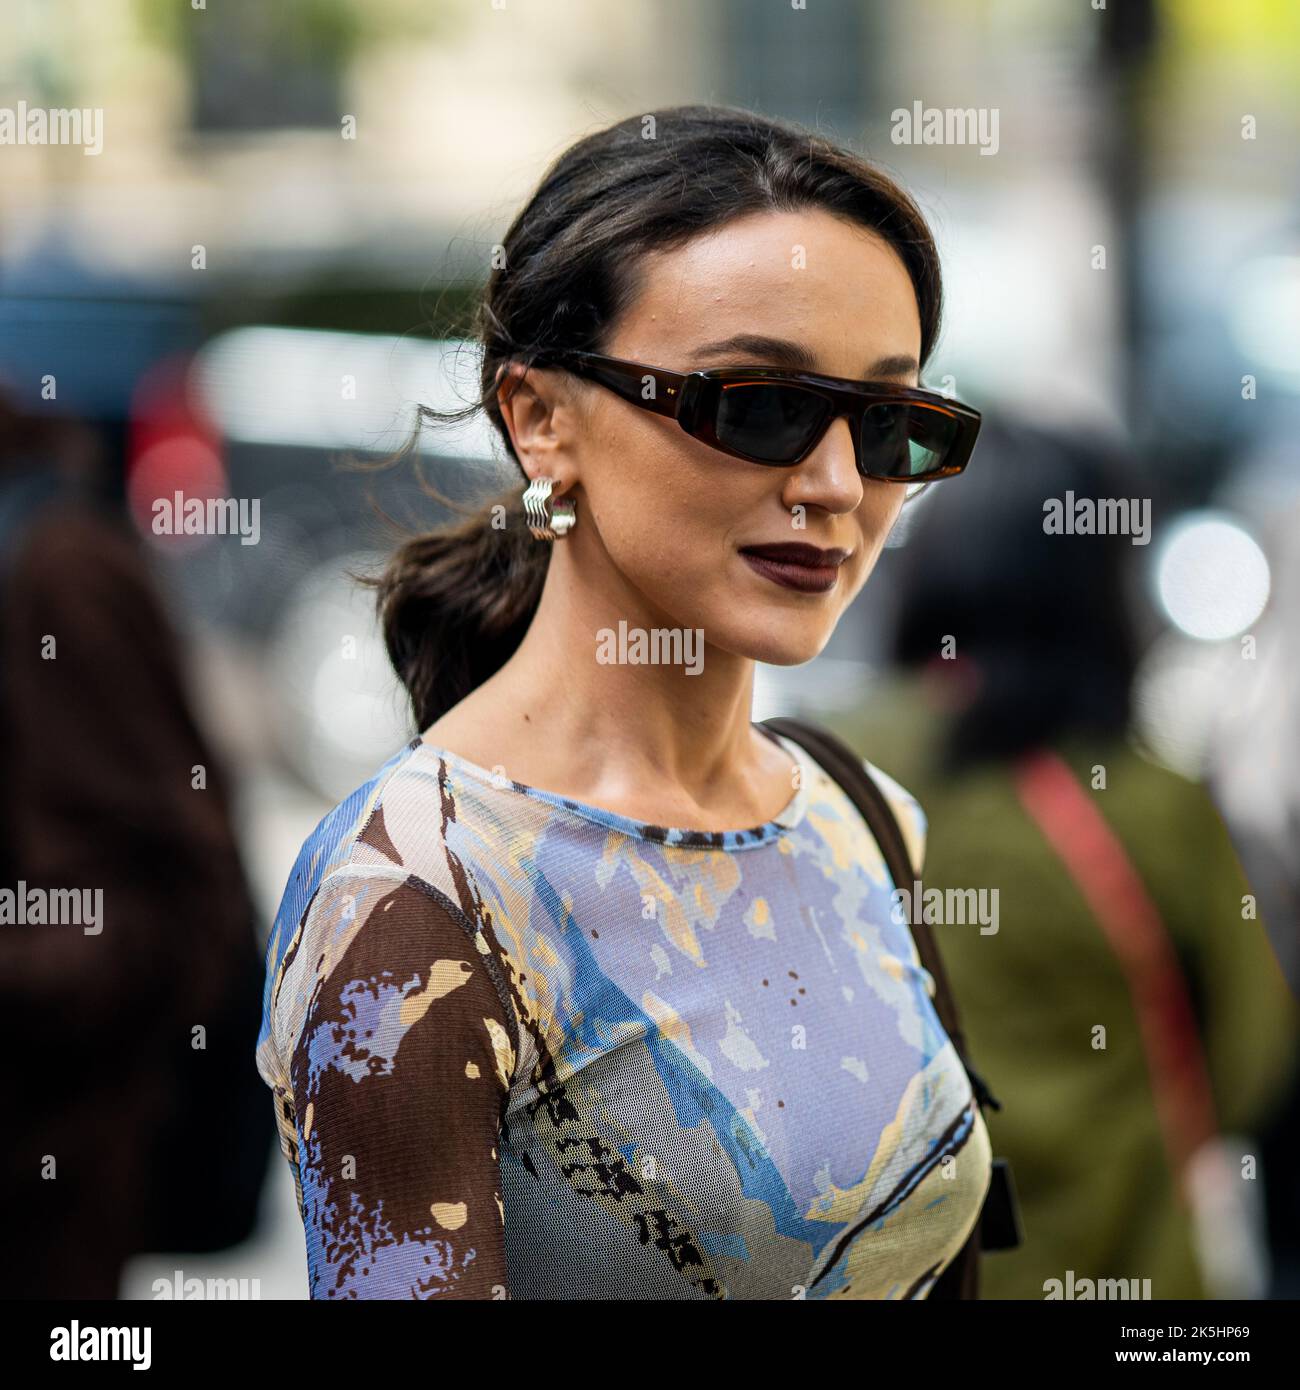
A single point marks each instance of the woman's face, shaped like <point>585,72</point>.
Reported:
<point>663,520</point>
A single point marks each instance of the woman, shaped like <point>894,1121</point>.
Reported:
<point>594,990</point>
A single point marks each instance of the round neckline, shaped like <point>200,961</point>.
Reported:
<point>786,819</point>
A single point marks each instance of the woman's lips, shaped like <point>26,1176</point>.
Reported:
<point>801,567</point>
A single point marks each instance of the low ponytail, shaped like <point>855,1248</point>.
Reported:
<point>455,603</point>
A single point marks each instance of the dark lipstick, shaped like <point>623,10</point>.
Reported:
<point>794,565</point>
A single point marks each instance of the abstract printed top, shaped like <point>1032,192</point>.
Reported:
<point>522,1047</point>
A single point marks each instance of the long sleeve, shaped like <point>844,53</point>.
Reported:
<point>399,1079</point>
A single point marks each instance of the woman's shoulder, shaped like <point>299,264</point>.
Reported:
<point>889,727</point>
<point>907,811</point>
<point>387,832</point>
<point>379,855</point>
<point>355,835</point>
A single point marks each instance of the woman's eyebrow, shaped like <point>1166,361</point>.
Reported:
<point>784,352</point>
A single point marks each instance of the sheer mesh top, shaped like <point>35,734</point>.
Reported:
<point>522,1047</point>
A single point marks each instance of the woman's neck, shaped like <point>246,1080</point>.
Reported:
<point>616,707</point>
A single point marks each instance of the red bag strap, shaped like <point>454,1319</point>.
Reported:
<point>1097,861</point>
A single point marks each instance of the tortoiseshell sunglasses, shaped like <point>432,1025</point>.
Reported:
<point>901,434</point>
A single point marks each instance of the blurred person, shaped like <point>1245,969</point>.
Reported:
<point>1254,773</point>
<point>1137,1022</point>
<point>126,1129</point>
<point>1253,755</point>
<point>593,991</point>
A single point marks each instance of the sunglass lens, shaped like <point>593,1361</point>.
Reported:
<point>770,424</point>
<point>906,440</point>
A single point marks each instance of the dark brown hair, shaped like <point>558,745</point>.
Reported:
<point>455,603</point>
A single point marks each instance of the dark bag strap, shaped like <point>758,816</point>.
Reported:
<point>999,1226</point>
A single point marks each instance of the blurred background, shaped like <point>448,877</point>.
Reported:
<point>260,271</point>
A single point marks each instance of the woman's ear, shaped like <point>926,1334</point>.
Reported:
<point>540,421</point>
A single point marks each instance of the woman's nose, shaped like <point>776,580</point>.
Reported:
<point>829,476</point>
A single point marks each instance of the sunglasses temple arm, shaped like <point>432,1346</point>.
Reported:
<point>651,388</point>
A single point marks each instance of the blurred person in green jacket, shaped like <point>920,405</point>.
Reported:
<point>1118,991</point>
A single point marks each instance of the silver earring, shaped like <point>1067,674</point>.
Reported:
<point>547,523</point>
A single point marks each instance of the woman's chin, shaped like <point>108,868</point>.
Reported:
<point>780,642</point>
